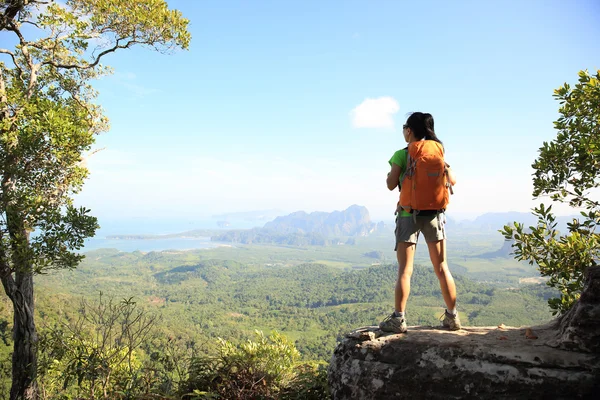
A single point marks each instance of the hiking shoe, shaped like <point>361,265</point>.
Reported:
<point>393,324</point>
<point>452,322</point>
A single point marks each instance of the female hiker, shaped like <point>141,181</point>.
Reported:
<point>424,180</point>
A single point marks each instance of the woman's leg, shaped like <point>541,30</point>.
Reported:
<point>437,254</point>
<point>406,255</point>
<point>406,239</point>
<point>396,323</point>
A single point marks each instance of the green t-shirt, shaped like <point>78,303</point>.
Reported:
<point>399,158</point>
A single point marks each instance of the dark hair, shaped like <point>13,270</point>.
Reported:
<point>421,124</point>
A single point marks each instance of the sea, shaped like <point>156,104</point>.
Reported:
<point>149,226</point>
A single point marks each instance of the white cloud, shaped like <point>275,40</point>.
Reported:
<point>375,113</point>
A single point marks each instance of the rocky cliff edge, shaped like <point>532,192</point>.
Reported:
<point>559,360</point>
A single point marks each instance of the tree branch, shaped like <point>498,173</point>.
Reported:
<point>53,40</point>
<point>84,159</point>
<point>4,111</point>
<point>11,54</point>
<point>24,48</point>
<point>31,22</point>
<point>97,60</point>
<point>13,7</point>
<point>590,202</point>
<point>14,59</point>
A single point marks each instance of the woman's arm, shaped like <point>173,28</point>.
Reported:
<point>450,174</point>
<point>393,177</point>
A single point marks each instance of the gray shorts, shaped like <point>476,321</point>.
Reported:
<point>408,228</point>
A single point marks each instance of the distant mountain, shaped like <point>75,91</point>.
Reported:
<point>492,222</point>
<point>503,252</point>
<point>353,221</point>
<point>304,229</point>
<point>259,215</point>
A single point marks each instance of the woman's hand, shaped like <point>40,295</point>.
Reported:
<point>393,177</point>
<point>451,176</point>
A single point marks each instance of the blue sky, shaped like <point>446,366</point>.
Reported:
<point>298,105</point>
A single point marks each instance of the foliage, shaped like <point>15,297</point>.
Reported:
<point>5,370</point>
<point>265,369</point>
<point>310,383</point>
<point>375,254</point>
<point>166,365</point>
<point>568,170</point>
<point>115,350</point>
<point>200,298</point>
<point>95,354</point>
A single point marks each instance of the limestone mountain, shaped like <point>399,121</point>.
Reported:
<point>353,221</point>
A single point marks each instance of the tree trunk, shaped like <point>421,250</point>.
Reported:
<point>20,291</point>
<point>24,361</point>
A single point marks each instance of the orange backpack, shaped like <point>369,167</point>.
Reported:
<point>425,186</point>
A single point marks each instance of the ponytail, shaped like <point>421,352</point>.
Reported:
<point>422,126</point>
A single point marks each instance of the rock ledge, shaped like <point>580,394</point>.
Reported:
<point>559,360</point>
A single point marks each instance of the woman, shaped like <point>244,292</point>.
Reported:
<point>419,126</point>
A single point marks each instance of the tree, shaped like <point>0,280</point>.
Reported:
<point>568,170</point>
<point>48,122</point>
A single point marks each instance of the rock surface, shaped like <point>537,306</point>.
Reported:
<point>559,360</point>
<point>579,329</point>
